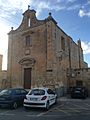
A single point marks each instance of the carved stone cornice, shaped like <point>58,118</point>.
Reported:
<point>27,61</point>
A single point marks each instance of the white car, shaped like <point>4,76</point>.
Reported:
<point>40,97</point>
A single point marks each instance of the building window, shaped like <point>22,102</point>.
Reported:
<point>62,43</point>
<point>28,41</point>
<point>29,22</point>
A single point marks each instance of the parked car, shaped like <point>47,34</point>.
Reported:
<point>79,92</point>
<point>1,89</point>
<point>40,97</point>
<point>12,97</point>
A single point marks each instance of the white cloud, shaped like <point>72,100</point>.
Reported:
<point>55,5</point>
<point>4,42</point>
<point>74,7</point>
<point>86,47</point>
<point>83,13</point>
<point>3,36</point>
<point>88,1</point>
<point>71,1</point>
<point>40,5</point>
<point>9,7</point>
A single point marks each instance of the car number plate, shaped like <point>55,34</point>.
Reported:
<point>33,99</point>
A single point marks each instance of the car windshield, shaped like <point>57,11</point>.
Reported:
<point>37,92</point>
<point>5,92</point>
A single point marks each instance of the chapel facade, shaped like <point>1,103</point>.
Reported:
<point>40,53</point>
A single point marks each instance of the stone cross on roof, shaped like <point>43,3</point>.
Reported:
<point>28,7</point>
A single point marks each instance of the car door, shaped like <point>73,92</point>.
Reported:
<point>17,96</point>
<point>51,96</point>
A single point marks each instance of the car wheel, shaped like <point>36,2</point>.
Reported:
<point>14,105</point>
<point>47,105</point>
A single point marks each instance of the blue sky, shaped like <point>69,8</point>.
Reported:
<point>73,16</point>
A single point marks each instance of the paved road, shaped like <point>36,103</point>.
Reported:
<point>65,109</point>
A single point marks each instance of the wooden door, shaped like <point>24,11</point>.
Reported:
<point>27,78</point>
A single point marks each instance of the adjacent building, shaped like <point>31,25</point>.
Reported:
<point>3,75</point>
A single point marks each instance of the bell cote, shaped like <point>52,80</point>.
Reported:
<point>28,17</point>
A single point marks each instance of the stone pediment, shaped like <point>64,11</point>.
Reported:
<point>27,61</point>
